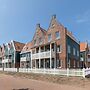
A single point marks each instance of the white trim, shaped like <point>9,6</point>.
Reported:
<point>31,59</point>
<point>25,52</point>
<point>14,56</point>
<point>50,57</point>
<point>13,45</point>
<point>39,57</point>
<point>6,61</point>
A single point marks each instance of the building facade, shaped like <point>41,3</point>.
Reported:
<point>88,56</point>
<point>11,54</point>
<point>25,56</point>
<point>84,54</point>
<point>53,48</point>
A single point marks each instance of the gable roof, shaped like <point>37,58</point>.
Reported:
<point>27,47</point>
<point>18,46</point>
<point>71,35</point>
<point>53,22</point>
<point>38,27</point>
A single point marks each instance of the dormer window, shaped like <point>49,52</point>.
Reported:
<point>57,35</point>
<point>49,37</point>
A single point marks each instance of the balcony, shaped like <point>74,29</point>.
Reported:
<point>24,59</point>
<point>6,60</point>
<point>43,55</point>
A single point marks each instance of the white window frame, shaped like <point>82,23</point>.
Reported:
<point>77,53</point>
<point>69,49</point>
<point>74,51</point>
<point>58,34</point>
<point>49,37</point>
<point>59,48</point>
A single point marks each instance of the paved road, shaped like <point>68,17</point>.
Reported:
<point>8,82</point>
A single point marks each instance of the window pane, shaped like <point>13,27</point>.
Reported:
<point>77,53</point>
<point>59,48</point>
<point>74,51</point>
<point>49,37</point>
<point>57,35</point>
<point>40,40</point>
<point>69,49</point>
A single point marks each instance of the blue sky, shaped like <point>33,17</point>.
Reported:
<point>18,18</point>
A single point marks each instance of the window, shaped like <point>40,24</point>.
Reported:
<point>57,35</point>
<point>28,55</point>
<point>49,37</point>
<point>77,53</point>
<point>74,63</point>
<point>34,42</point>
<point>69,49</point>
<point>74,51</point>
<point>59,48</point>
<point>40,40</point>
<point>58,63</point>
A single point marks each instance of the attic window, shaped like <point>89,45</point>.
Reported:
<point>53,25</point>
<point>49,37</point>
<point>40,40</point>
<point>57,35</point>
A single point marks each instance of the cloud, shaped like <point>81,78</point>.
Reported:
<point>83,17</point>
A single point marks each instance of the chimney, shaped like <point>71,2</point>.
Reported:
<point>54,16</point>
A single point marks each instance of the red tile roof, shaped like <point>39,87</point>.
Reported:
<point>27,47</point>
<point>83,46</point>
<point>18,46</point>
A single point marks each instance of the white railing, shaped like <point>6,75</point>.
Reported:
<point>45,55</point>
<point>63,72</point>
<point>6,60</point>
<point>35,56</point>
<point>1,69</point>
<point>42,55</point>
<point>25,59</point>
<point>10,69</point>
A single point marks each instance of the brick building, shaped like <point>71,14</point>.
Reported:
<point>52,48</point>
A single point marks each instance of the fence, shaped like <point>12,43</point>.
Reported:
<point>63,72</point>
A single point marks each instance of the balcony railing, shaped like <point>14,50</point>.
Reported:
<point>23,59</point>
<point>42,55</point>
<point>6,60</point>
